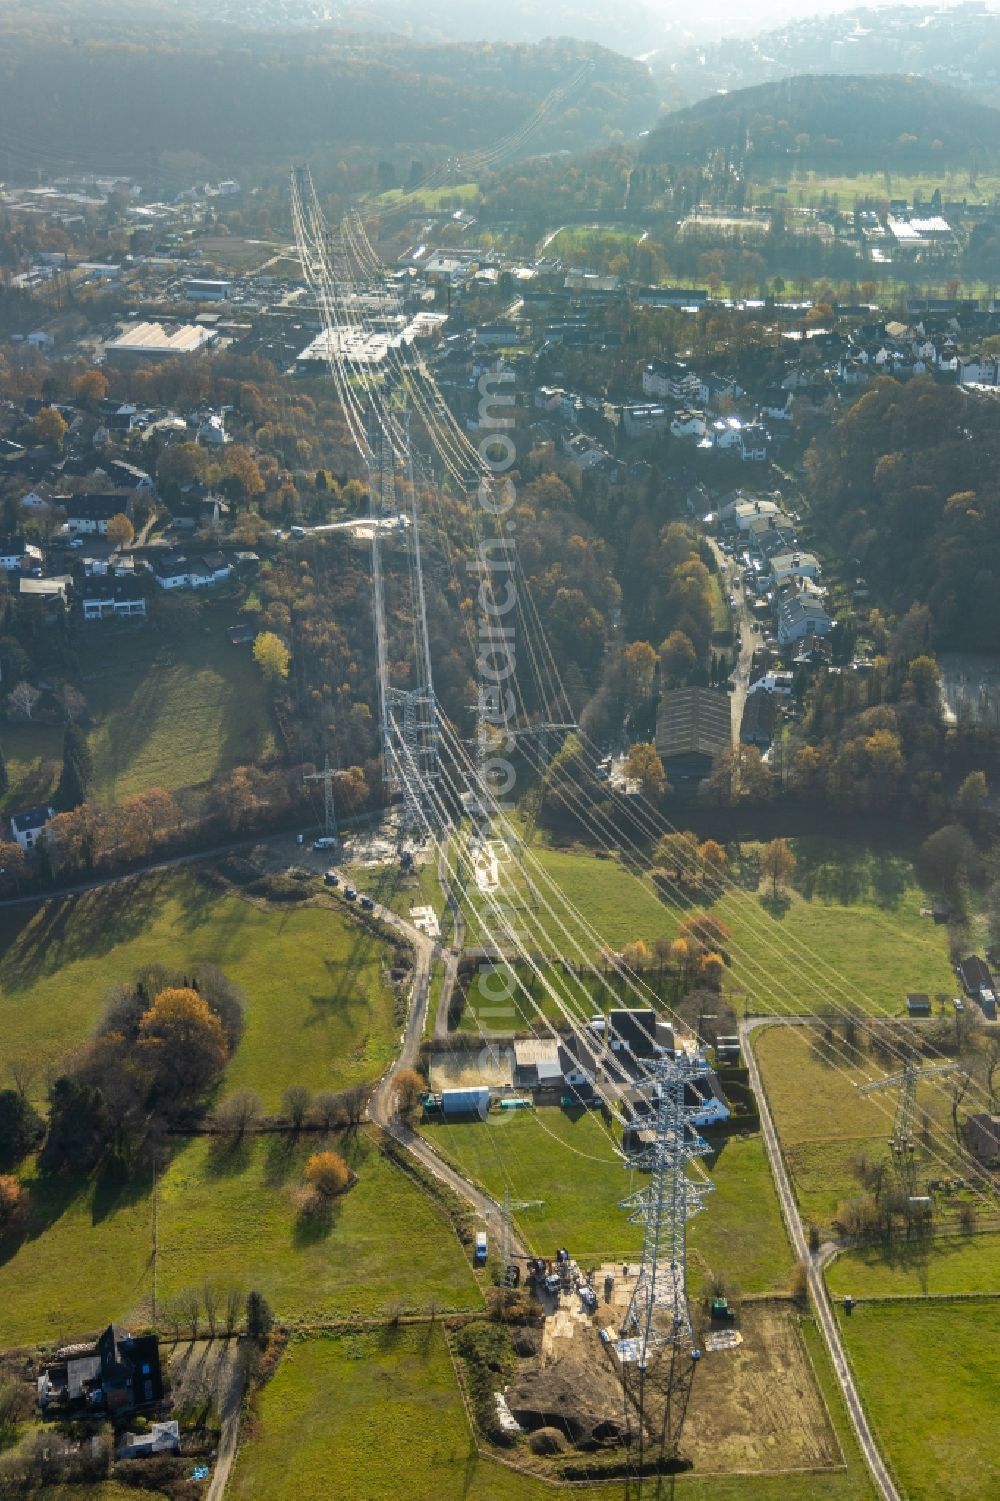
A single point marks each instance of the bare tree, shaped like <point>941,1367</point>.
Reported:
<point>355,1104</point>
<point>959,1087</point>
<point>297,1100</point>
<point>328,1110</point>
<point>210,1298</point>
<point>238,1113</point>
<point>190,1303</point>
<point>22,700</point>
<point>235,1302</point>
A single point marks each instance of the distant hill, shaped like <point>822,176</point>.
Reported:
<point>231,101</point>
<point>875,122</point>
<point>959,45</point>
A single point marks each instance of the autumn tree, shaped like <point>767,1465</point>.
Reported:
<point>645,767</point>
<point>407,1087</point>
<point>120,530</point>
<point>243,477</point>
<point>48,427</point>
<point>183,1043</point>
<point>703,932</point>
<point>327,1174</point>
<point>13,1203</point>
<point>678,657</point>
<point>271,655</point>
<point>777,863</point>
<point>90,387</point>
<point>638,671</point>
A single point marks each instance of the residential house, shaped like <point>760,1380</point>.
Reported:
<point>760,716</point>
<point>54,589</point>
<point>170,570</point>
<point>739,513</point>
<point>753,443</point>
<point>688,423</point>
<point>633,1031</point>
<point>670,379</point>
<point>578,1062</point>
<point>91,513</point>
<point>776,404</point>
<point>17,554</point>
<point>975,975</point>
<point>715,388</point>
<point>799,617</point>
<point>640,419</point>
<point>39,500</point>
<point>26,827</point>
<point>159,1438</point>
<point>119,601</point>
<point>120,1374</point>
<point>693,727</point>
<point>794,565</point>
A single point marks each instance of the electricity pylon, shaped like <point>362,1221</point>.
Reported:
<point>657,1325</point>
<point>901,1141</point>
<point>325,776</point>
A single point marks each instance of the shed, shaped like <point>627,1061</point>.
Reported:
<point>472,1101</point>
<point>918,1005</point>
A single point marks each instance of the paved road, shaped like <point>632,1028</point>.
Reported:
<point>814,1265</point>
<point>733,584</point>
<point>380,1108</point>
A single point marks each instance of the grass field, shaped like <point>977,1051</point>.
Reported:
<point>929,1375</point>
<point>318,1011</point>
<point>431,198</point>
<point>176,716</point>
<point>851,934</point>
<point>940,1266</point>
<point>825,1124</point>
<point>567,1162</point>
<point>375,1416</point>
<point>809,187</point>
<point>228,1214</point>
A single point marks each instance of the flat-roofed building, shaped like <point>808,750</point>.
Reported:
<point>151,341</point>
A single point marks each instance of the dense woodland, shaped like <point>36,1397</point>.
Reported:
<point>150,106</point>
<point>908,479</point>
<point>877,123</point>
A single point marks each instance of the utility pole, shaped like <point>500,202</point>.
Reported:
<point>325,776</point>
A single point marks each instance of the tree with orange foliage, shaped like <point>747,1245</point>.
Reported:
<point>183,1043</point>
<point>91,386</point>
<point>49,428</point>
<point>327,1174</point>
<point>13,1202</point>
<point>407,1087</point>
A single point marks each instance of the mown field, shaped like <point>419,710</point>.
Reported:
<point>377,1415</point>
<point>929,1374</point>
<point>939,1266</point>
<point>825,1125</point>
<point>318,1011</point>
<point>176,715</point>
<point>568,1163</point>
<point>229,1214</point>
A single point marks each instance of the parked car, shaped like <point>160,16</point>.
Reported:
<point>331,878</point>
<point>588,1298</point>
<point>367,903</point>
<point>325,842</point>
<point>350,893</point>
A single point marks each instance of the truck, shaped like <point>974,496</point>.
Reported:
<point>481,1248</point>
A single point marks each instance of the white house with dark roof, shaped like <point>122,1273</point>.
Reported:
<point>26,827</point>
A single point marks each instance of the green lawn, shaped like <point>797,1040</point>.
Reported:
<point>376,1416</point>
<point>569,1164</point>
<point>929,1375</point>
<point>174,710</point>
<point>941,1265</point>
<point>825,1124</point>
<point>851,934</point>
<point>229,1215</point>
<point>318,1010</point>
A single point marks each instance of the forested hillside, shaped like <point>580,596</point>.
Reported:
<point>254,99</point>
<point>910,480</point>
<point>872,123</point>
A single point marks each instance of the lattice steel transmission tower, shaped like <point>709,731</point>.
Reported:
<point>657,1357</point>
<point>326,776</point>
<point>902,1143</point>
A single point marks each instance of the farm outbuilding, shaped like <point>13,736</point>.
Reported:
<point>474,1101</point>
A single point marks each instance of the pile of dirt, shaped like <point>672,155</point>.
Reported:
<point>545,1399</point>
<point>547,1441</point>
